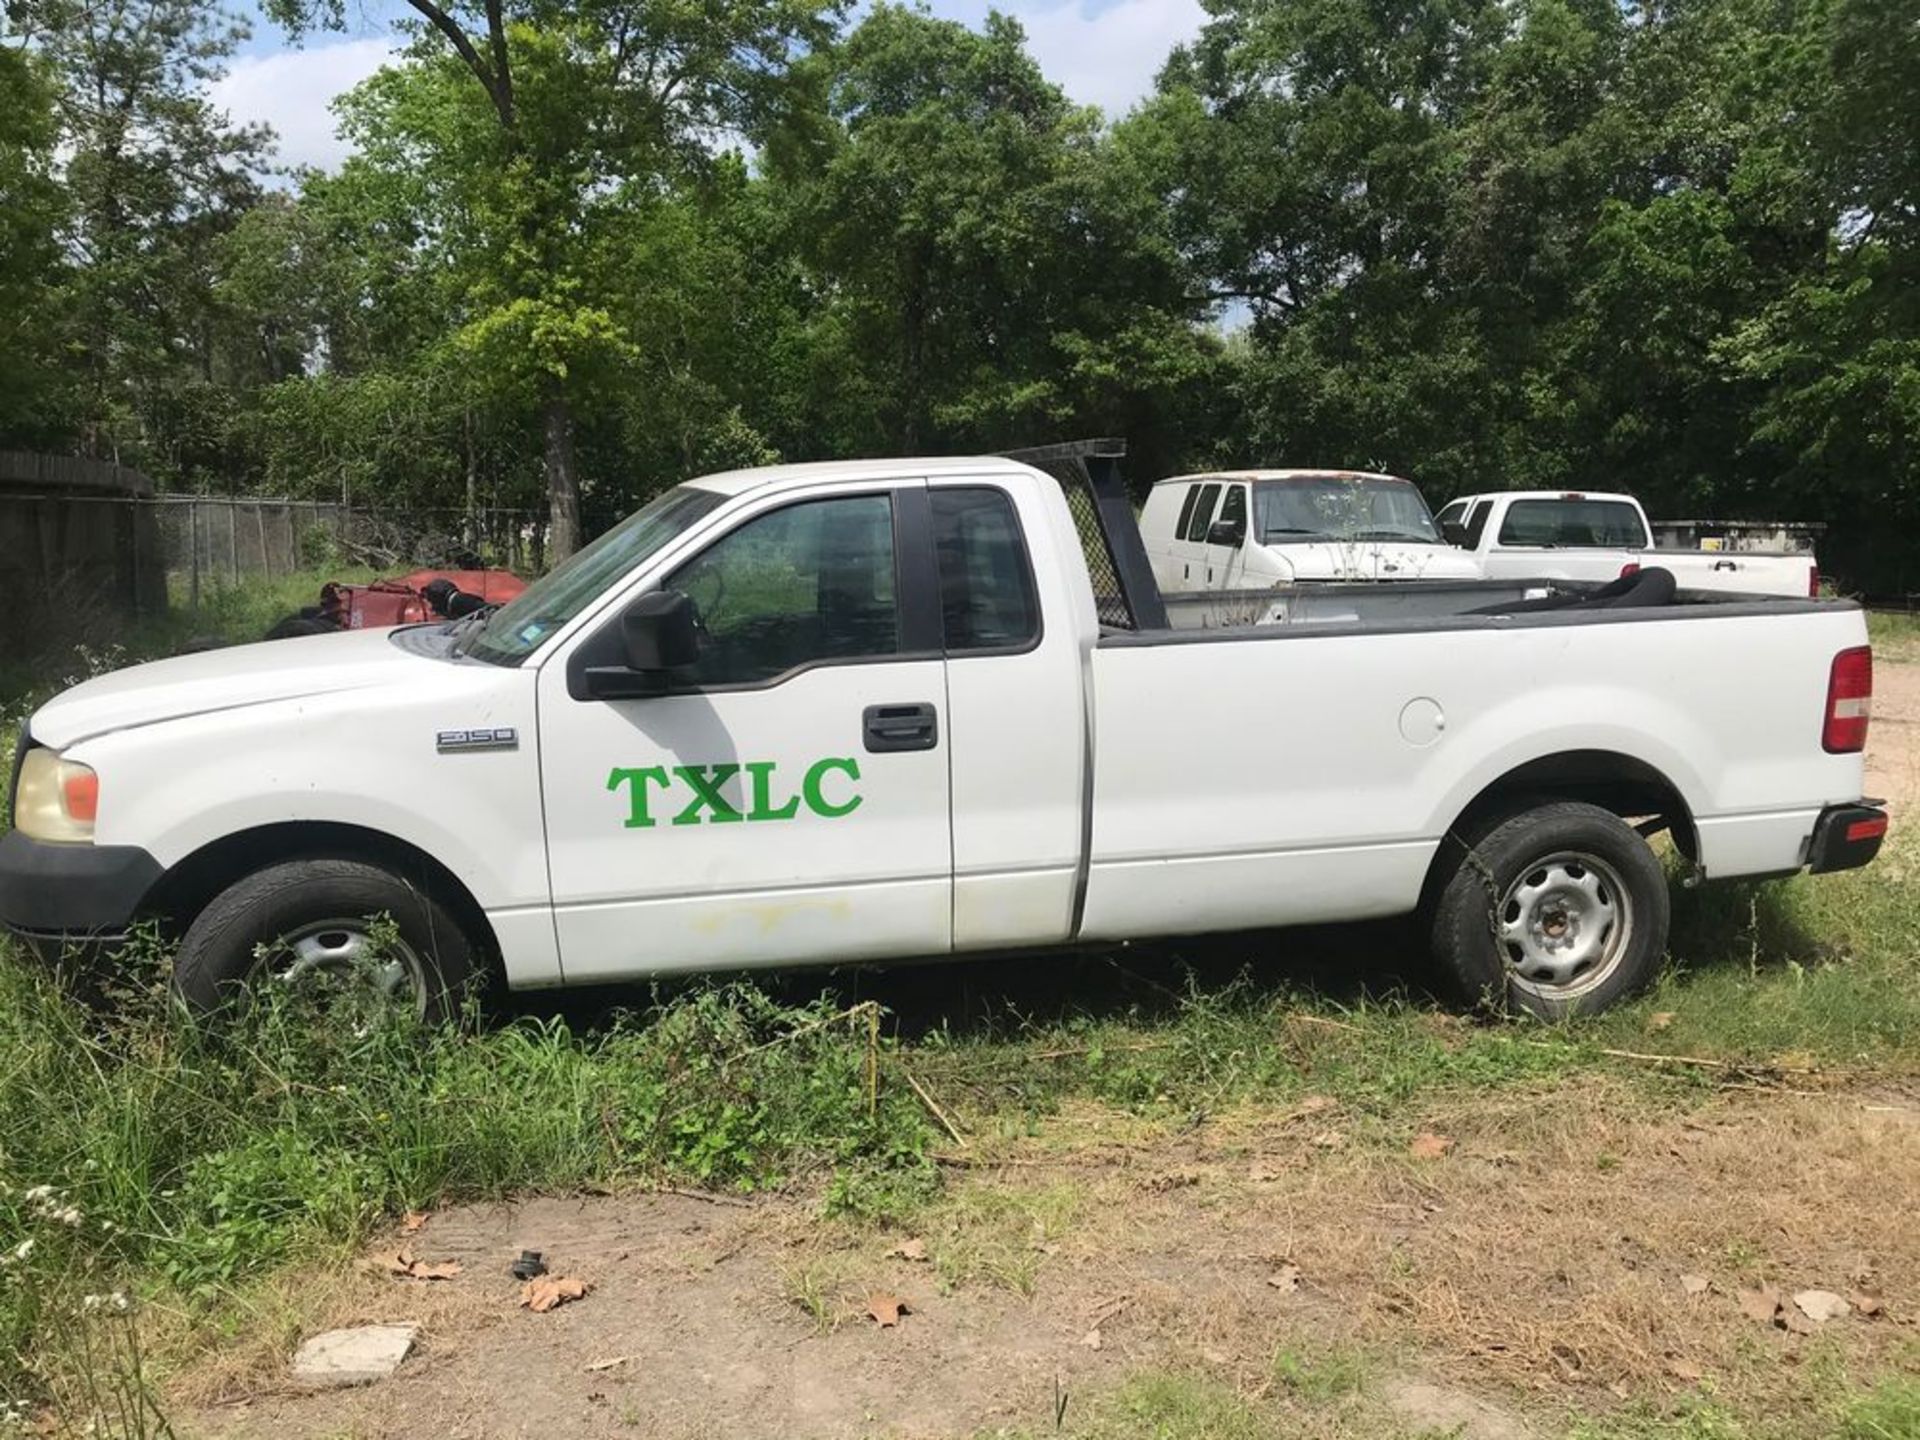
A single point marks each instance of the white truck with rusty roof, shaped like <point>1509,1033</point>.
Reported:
<point>896,709</point>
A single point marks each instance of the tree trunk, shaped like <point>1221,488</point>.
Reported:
<point>563,485</point>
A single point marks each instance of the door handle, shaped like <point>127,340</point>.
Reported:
<point>891,729</point>
<point>1726,565</point>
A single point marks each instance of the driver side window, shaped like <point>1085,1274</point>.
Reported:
<point>808,584</point>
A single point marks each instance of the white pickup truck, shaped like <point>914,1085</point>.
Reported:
<point>1584,535</point>
<point>914,708</point>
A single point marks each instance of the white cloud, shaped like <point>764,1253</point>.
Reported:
<point>1107,59</point>
<point>291,90</point>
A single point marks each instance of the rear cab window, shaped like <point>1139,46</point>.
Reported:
<point>988,601</point>
<point>1573,525</point>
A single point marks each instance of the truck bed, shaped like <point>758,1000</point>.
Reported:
<point>1433,603</point>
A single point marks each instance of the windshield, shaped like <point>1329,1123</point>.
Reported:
<point>1341,507</point>
<point>516,630</point>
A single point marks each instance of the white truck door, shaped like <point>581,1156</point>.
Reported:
<point>1227,564</point>
<point>1019,731</point>
<point>788,799</point>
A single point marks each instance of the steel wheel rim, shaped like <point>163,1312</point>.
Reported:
<point>1564,925</point>
<point>390,968</point>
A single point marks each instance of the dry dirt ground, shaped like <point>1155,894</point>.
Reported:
<point>1572,1251</point>
<point>1580,1251</point>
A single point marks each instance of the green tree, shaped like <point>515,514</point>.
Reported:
<point>33,273</point>
<point>580,99</point>
<point>153,175</point>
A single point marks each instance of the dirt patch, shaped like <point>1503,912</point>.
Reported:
<point>1893,744</point>
<point>1539,1267</point>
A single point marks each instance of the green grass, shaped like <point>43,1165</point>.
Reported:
<point>141,1156</point>
<point>1895,637</point>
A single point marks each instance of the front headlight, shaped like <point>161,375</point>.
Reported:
<point>56,799</point>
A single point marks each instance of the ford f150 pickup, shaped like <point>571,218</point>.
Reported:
<point>1571,535</point>
<point>912,708</point>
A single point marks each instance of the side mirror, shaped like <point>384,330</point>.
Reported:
<point>1227,532</point>
<point>658,632</point>
<point>657,636</point>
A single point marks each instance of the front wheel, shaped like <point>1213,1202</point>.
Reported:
<point>1557,910</point>
<point>327,929</point>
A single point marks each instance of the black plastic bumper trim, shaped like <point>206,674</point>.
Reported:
<point>55,891</point>
<point>1845,837</point>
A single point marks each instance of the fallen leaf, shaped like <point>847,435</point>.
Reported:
<point>408,1268</point>
<point>887,1309</point>
<point>1660,1020</point>
<point>1171,1180</point>
<point>1685,1370</point>
<point>413,1221</point>
<point>909,1250</point>
<point>1867,1304</point>
<point>1263,1175</point>
<point>1429,1146</point>
<point>1695,1284</point>
<point>549,1291</point>
<point>1762,1304</point>
<point>1286,1279</point>
<point>1822,1305</point>
<point>1791,1319</point>
<point>1213,1356</point>
<point>1092,1339</point>
<point>1329,1140</point>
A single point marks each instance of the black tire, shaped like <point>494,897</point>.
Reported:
<point>1557,909</point>
<point>231,944</point>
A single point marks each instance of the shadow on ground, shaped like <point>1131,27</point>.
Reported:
<point>970,997</point>
<point>1750,926</point>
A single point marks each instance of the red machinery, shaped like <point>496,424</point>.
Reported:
<point>405,600</point>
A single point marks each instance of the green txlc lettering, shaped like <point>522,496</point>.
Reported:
<point>710,807</point>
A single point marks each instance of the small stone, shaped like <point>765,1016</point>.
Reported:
<point>353,1357</point>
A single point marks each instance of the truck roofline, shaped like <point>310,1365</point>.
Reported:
<point>734,483</point>
<point>1301,474</point>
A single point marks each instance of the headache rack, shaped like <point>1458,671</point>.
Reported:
<point>1124,590</point>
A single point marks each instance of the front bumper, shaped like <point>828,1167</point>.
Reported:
<point>1845,837</point>
<point>60,898</point>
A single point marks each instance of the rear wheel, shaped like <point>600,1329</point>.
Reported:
<point>331,931</point>
<point>1557,910</point>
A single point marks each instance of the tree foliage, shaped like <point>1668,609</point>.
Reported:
<point>582,250</point>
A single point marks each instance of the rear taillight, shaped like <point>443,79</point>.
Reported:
<point>1632,567</point>
<point>1849,701</point>
<point>1813,582</point>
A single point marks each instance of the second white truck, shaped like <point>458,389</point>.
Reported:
<point>1585,535</point>
<point>910,708</point>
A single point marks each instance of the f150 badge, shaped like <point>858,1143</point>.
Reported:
<point>710,807</point>
<point>449,741</point>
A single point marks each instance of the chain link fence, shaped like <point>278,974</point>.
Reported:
<point>85,546</point>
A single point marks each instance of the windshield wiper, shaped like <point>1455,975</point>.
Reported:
<point>469,625</point>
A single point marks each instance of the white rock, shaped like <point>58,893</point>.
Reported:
<point>1822,1305</point>
<point>353,1357</point>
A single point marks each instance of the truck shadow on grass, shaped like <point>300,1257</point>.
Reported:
<point>1726,928</point>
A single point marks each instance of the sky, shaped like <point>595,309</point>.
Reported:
<point>1102,52</point>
